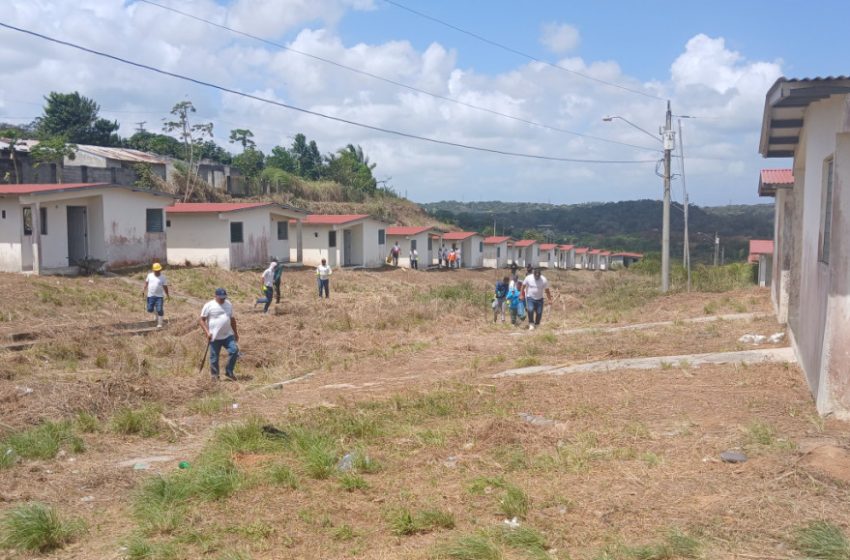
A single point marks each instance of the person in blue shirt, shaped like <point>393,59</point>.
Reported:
<point>499,301</point>
<point>513,301</point>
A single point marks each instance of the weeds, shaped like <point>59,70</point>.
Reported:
<point>87,422</point>
<point>822,540</point>
<point>351,482</point>
<point>37,527</point>
<point>44,441</point>
<point>139,548</point>
<point>344,533</point>
<point>527,361</point>
<point>675,545</point>
<point>142,421</point>
<point>282,475</point>
<point>478,546</point>
<point>515,502</point>
<point>404,522</point>
<point>317,451</point>
<point>209,405</point>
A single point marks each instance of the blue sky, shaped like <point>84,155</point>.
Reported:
<point>713,59</point>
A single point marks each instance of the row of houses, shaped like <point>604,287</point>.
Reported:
<point>48,228</point>
<point>808,120</point>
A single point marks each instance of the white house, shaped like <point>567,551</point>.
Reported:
<point>496,252</point>
<point>548,257</point>
<point>582,261</point>
<point>471,245</point>
<point>526,252</point>
<point>624,259</point>
<point>51,227</point>
<point>761,255</point>
<point>604,260</point>
<point>566,256</point>
<point>413,237</point>
<point>809,120</point>
<point>230,235</point>
<point>345,240</point>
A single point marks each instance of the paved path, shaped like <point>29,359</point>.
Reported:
<point>766,355</point>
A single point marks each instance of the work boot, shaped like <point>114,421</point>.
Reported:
<point>158,322</point>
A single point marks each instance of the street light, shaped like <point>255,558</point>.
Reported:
<point>667,139</point>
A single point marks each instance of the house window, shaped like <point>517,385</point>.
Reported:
<point>826,214</point>
<point>430,241</point>
<point>382,237</point>
<point>4,214</point>
<point>412,244</point>
<point>42,220</point>
<point>331,239</point>
<point>282,231</point>
<point>167,223</point>
<point>498,252</point>
<point>153,220</point>
<point>236,232</point>
<point>27,220</point>
<point>480,246</point>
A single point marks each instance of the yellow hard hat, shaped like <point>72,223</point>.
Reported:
<point>157,267</point>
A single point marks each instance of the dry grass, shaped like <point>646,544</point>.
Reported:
<point>398,443</point>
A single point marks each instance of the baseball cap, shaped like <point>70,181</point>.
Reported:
<point>220,292</point>
<point>156,267</point>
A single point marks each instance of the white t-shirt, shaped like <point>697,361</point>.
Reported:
<point>534,288</point>
<point>268,276</point>
<point>156,285</point>
<point>218,318</point>
<point>323,272</point>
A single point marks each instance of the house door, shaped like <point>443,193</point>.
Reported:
<point>346,247</point>
<point>78,233</point>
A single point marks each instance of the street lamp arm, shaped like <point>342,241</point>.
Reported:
<point>627,121</point>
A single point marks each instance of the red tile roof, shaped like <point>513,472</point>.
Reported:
<point>566,247</point>
<point>760,247</point>
<point>495,240</point>
<point>332,219</point>
<point>525,242</point>
<point>594,251</point>
<point>777,176</point>
<point>408,230</point>
<point>210,207</point>
<point>547,246</point>
<point>458,235</point>
<point>581,250</point>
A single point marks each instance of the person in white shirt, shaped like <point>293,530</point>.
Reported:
<point>323,276</point>
<point>414,259</point>
<point>268,286</point>
<point>457,257</point>
<point>533,288</point>
<point>219,325</point>
<point>156,290</point>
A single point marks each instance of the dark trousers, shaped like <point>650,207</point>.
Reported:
<point>324,285</point>
<point>535,310</point>
<point>277,291</point>
<point>414,264</point>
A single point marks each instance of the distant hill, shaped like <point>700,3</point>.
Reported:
<point>633,225</point>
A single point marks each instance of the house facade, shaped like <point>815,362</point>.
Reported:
<point>413,237</point>
<point>496,252</point>
<point>566,257</point>
<point>761,255</point>
<point>526,252</point>
<point>231,235</point>
<point>547,256</point>
<point>344,240</point>
<point>809,120</point>
<point>623,259</point>
<point>51,228</point>
<point>582,258</point>
<point>471,245</point>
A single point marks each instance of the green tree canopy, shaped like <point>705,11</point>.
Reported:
<point>75,117</point>
<point>53,150</point>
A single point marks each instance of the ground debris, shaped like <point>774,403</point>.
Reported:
<point>536,420</point>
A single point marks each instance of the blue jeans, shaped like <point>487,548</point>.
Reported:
<point>155,304</point>
<point>269,291</point>
<point>535,310</point>
<point>325,285</point>
<point>232,351</point>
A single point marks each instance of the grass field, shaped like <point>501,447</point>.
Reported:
<point>391,438</point>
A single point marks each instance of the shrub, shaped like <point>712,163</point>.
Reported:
<point>37,527</point>
<point>142,421</point>
<point>45,441</point>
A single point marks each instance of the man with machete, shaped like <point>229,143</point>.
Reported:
<point>219,325</point>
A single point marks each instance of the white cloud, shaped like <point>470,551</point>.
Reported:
<point>559,37</point>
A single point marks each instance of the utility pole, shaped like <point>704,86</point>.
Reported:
<point>686,254</point>
<point>716,248</point>
<point>669,141</point>
<point>140,126</point>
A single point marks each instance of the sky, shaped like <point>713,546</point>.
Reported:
<point>713,60</point>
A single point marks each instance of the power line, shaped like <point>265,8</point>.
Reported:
<point>308,111</point>
<point>393,82</point>
<point>519,52</point>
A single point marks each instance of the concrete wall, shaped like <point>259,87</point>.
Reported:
<point>495,256</point>
<point>125,221</point>
<point>198,239</point>
<point>366,251</point>
<point>11,232</point>
<point>253,252</point>
<point>405,245</point>
<point>546,259</point>
<point>280,248</point>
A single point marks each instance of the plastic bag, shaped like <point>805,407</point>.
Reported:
<point>494,304</point>
<point>520,310</point>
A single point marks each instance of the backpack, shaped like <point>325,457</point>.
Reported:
<point>501,290</point>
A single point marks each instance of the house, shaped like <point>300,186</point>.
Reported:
<point>345,240</point>
<point>581,258</point>
<point>471,245</point>
<point>593,259</point>
<point>229,235</point>
<point>547,258</point>
<point>48,228</point>
<point>624,260</point>
<point>566,256</point>
<point>115,165</point>
<point>413,237</point>
<point>809,120</point>
<point>496,251</point>
<point>526,252</point>
<point>604,257</point>
<point>761,254</point>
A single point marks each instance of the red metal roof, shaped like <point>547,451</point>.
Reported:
<point>605,253</point>
<point>408,230</point>
<point>760,247</point>
<point>565,247</point>
<point>333,219</point>
<point>525,242</point>
<point>210,207</point>
<point>581,250</point>
<point>495,240</point>
<point>594,251</point>
<point>626,254</point>
<point>458,235</point>
<point>31,188</point>
<point>547,246</point>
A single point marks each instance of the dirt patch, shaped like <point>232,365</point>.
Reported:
<point>830,460</point>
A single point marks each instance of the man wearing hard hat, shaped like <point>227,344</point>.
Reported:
<point>156,290</point>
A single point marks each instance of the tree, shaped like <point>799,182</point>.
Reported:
<point>308,159</point>
<point>242,136</point>
<point>161,144</point>
<point>344,168</point>
<point>280,158</point>
<point>75,118</point>
<point>13,138</point>
<point>53,150</point>
<point>192,136</point>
